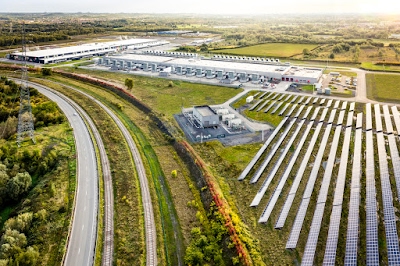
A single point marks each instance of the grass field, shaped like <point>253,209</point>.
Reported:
<point>165,99</point>
<point>383,87</point>
<point>372,66</point>
<point>269,49</point>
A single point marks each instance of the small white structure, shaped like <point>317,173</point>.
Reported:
<point>222,111</point>
<point>235,123</point>
<point>227,117</point>
<point>328,91</point>
<point>249,99</point>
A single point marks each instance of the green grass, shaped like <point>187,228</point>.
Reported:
<point>269,49</point>
<point>166,100</point>
<point>372,66</point>
<point>273,120</point>
<point>383,87</point>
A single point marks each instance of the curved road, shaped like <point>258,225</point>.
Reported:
<point>82,238</point>
<point>149,223</point>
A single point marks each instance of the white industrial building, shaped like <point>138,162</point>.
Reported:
<point>192,65</point>
<point>205,116</point>
<point>82,51</point>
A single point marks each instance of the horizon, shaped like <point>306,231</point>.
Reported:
<point>252,7</point>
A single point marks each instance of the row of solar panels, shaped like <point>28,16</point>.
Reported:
<point>371,203</point>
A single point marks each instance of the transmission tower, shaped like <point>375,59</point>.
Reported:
<point>25,118</point>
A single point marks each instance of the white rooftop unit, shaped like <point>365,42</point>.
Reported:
<point>237,122</point>
<point>227,117</point>
<point>222,111</point>
<point>249,99</point>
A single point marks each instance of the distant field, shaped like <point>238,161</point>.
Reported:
<point>269,49</point>
<point>383,87</point>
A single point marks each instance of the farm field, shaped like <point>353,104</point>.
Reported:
<point>269,49</point>
<point>383,87</point>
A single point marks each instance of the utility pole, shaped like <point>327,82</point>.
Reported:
<point>25,118</point>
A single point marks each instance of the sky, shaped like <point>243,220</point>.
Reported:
<point>203,6</point>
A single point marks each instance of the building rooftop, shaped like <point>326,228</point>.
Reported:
<point>204,110</point>
<point>303,72</point>
<point>84,47</point>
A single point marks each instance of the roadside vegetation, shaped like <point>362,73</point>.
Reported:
<point>37,182</point>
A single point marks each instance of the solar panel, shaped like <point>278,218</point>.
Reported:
<point>396,118</point>
<point>354,204</point>
<point>287,98</point>
<point>394,152</point>
<point>344,105</point>
<point>329,104</point>
<point>255,95</point>
<point>352,106</point>
<point>262,105</point>
<point>315,100</point>
<point>291,110</point>
<point>368,117</point>
<point>255,105</point>
<point>280,98</point>
<point>315,114</point>
<point>392,239</point>
<point>349,122</point>
<point>371,211</point>
<point>298,223</point>
<point>294,99</point>
<point>322,102</point>
<point>275,96</point>
<point>378,122</point>
<point>296,182</point>
<point>307,101</point>
<point>265,163</point>
<point>284,109</point>
<point>262,95</point>
<point>273,172</point>
<point>269,107</point>
<point>333,232</point>
<point>261,150</point>
<point>336,104</point>
<point>270,95</point>
<point>277,107</point>
<point>309,252</point>
<point>299,111</point>
<point>301,99</point>
<point>307,112</point>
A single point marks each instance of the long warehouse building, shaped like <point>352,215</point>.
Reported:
<point>82,51</point>
<point>192,65</point>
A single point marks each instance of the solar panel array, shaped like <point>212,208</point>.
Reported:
<point>309,252</point>
<point>261,150</point>
<point>371,210</point>
<point>302,131</point>
<point>333,232</point>
<point>277,107</point>
<point>296,182</point>
<point>298,223</point>
<point>396,118</point>
<point>394,152</point>
<point>265,163</point>
<point>262,105</point>
<point>262,95</point>
<point>271,204</point>
<point>292,110</point>
<point>255,105</point>
<point>354,204</point>
<point>284,109</point>
<point>392,239</point>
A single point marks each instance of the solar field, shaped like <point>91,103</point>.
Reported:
<point>341,161</point>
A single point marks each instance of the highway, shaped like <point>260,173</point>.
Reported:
<point>82,238</point>
<point>149,223</point>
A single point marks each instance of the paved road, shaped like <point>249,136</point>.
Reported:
<point>149,223</point>
<point>82,238</point>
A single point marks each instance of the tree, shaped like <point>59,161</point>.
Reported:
<point>129,83</point>
<point>306,51</point>
<point>18,185</point>
<point>46,71</point>
<point>332,56</point>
